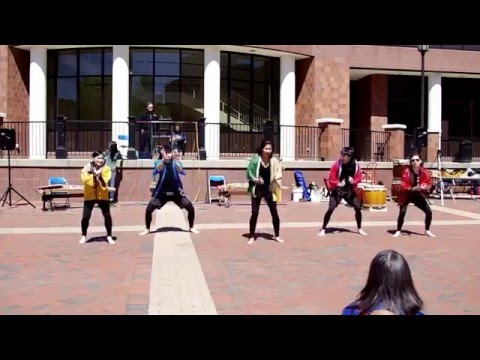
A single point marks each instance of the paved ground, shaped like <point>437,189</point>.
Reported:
<point>43,269</point>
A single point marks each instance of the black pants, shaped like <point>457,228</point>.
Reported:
<point>350,197</point>
<point>272,205</point>
<point>420,202</point>
<point>88,206</point>
<point>181,201</point>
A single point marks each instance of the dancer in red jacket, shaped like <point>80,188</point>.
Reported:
<point>345,175</point>
<point>415,186</point>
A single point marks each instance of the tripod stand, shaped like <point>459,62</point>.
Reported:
<point>439,162</point>
<point>8,192</point>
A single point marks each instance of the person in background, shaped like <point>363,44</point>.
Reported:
<point>179,140</point>
<point>389,288</point>
<point>112,156</point>
<point>144,128</point>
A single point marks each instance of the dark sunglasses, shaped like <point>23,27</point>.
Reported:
<point>416,160</point>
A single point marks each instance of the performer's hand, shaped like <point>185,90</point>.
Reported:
<point>350,180</point>
<point>341,183</point>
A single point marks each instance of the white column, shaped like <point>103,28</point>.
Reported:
<point>120,96</point>
<point>38,103</point>
<point>435,106</point>
<point>287,108</point>
<point>212,102</point>
<point>435,102</point>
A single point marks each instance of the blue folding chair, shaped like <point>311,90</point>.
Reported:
<point>58,181</point>
<point>213,182</point>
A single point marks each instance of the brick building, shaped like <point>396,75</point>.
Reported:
<point>320,97</point>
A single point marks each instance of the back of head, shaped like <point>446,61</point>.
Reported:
<point>381,312</point>
<point>390,286</point>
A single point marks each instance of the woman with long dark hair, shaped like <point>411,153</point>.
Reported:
<point>264,174</point>
<point>389,287</point>
<point>112,155</point>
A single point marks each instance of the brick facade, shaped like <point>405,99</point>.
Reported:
<point>323,82</point>
<point>18,84</point>
<point>3,78</point>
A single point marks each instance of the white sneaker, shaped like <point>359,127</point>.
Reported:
<point>83,240</point>
<point>429,233</point>
<point>194,231</point>
<point>361,232</point>
<point>144,232</point>
<point>322,232</point>
<point>110,240</point>
<point>397,234</point>
<point>251,241</point>
<point>279,240</point>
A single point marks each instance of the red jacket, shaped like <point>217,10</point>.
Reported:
<point>335,173</point>
<point>424,181</point>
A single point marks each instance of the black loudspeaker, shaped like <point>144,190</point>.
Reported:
<point>8,139</point>
<point>269,131</point>
<point>203,154</point>
<point>464,154</point>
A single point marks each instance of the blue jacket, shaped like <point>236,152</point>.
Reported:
<point>176,174</point>
<point>353,310</point>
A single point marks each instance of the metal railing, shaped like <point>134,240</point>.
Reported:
<point>81,138</point>
<point>451,148</point>
<point>368,145</point>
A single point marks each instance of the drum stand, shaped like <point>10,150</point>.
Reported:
<point>439,162</point>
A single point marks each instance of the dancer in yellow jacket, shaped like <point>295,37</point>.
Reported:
<point>95,177</point>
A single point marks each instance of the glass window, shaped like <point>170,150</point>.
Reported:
<point>108,62</point>
<point>67,63</point>
<point>167,62</point>
<point>246,101</point>
<point>79,84</point>
<point>175,84</point>
<point>261,69</point>
<point>452,47</point>
<point>192,57</point>
<point>67,100</point>
<point>107,97</point>
<point>141,62</point>
<point>90,91</point>
<point>167,96</point>
<point>141,92</point>
<point>91,62</point>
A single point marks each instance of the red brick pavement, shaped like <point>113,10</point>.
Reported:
<point>314,212</point>
<point>312,275</point>
<point>53,274</point>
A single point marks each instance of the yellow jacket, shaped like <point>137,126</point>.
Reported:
<point>93,189</point>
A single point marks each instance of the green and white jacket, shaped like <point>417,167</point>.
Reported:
<point>253,170</point>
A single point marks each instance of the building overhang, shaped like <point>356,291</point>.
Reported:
<point>357,74</point>
<point>231,48</point>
